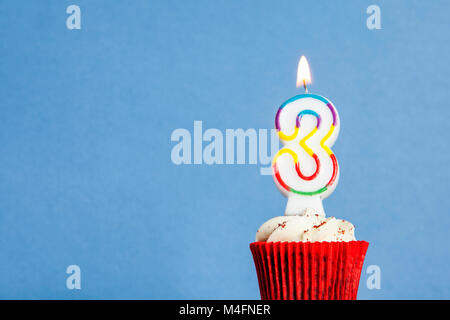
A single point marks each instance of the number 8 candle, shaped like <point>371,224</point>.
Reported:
<point>306,170</point>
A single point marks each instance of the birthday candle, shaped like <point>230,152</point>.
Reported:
<point>306,170</point>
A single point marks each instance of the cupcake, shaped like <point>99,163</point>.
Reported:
<point>308,257</point>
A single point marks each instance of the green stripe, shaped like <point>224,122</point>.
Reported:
<point>309,193</point>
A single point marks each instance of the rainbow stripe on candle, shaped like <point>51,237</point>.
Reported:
<point>304,146</point>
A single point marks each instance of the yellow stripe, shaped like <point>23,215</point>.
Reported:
<point>283,151</point>
<point>322,143</point>
<point>303,144</point>
<point>286,137</point>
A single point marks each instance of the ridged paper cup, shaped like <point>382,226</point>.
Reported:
<point>309,270</point>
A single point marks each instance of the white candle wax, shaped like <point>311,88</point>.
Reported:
<point>305,170</point>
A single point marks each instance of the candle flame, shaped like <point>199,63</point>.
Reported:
<point>303,73</point>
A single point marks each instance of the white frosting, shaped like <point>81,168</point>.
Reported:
<point>309,227</point>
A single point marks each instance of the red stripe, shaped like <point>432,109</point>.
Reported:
<point>335,169</point>
<point>277,175</point>
<point>297,168</point>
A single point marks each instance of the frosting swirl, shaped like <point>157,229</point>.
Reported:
<point>308,227</point>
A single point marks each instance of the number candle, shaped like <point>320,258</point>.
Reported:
<point>305,170</point>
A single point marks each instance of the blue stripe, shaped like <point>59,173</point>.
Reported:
<point>305,95</point>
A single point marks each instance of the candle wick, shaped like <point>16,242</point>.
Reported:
<point>304,86</point>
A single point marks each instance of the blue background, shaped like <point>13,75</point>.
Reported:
<point>86,116</point>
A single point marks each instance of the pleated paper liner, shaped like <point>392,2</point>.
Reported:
<point>309,270</point>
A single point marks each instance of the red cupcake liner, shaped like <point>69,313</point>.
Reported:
<point>309,270</point>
